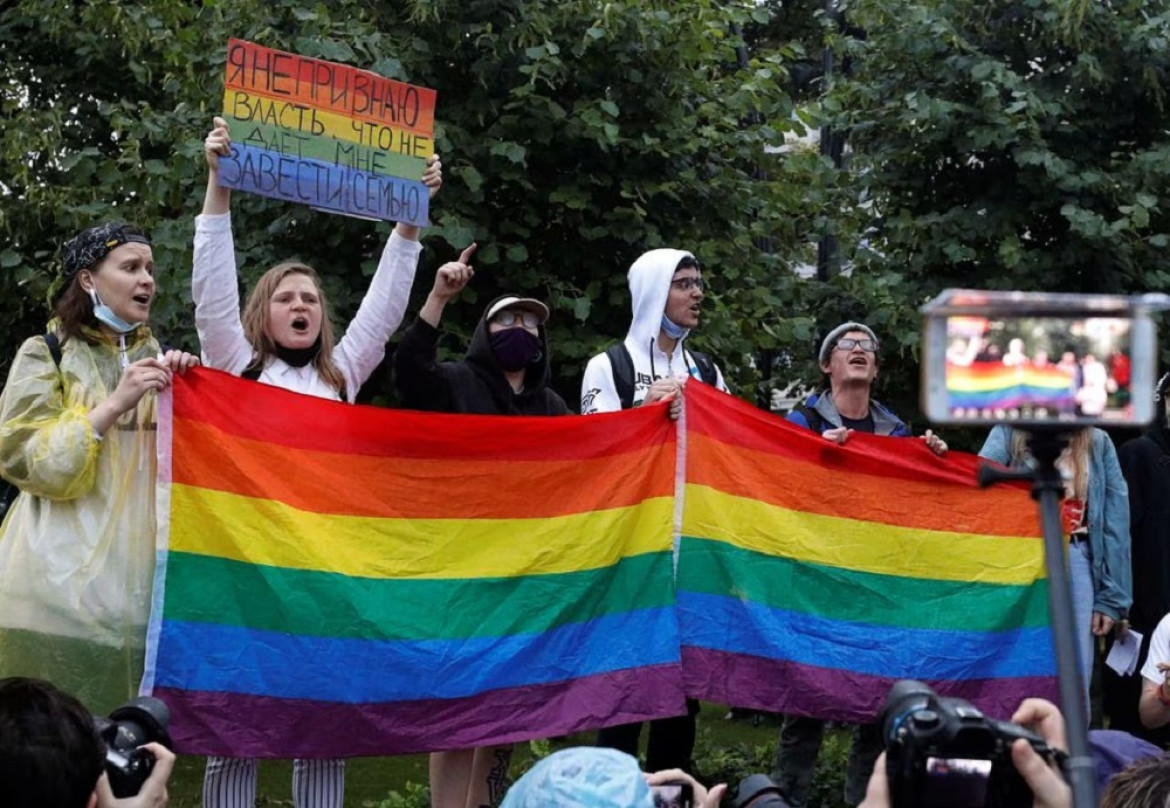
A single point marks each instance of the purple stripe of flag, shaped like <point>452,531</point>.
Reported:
<point>839,695</point>
<point>214,723</point>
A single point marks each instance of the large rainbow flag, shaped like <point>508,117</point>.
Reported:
<point>813,576</point>
<point>337,580</point>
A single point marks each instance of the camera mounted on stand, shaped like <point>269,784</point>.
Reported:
<point>1047,365</point>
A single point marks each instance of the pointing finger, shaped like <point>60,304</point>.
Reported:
<point>465,256</point>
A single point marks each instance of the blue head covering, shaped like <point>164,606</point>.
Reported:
<point>582,777</point>
<point>1113,750</point>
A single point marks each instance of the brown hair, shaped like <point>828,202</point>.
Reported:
<point>256,322</point>
<point>74,312</point>
<point>1142,784</point>
<point>1074,459</point>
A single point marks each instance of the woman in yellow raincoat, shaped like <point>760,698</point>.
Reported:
<point>77,436</point>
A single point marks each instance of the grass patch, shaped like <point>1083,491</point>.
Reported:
<point>725,751</point>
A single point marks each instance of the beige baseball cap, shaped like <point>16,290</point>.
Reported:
<point>523,303</point>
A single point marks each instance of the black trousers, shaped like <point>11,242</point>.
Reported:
<point>671,741</point>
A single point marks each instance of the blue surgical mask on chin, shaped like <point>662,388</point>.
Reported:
<point>105,315</point>
<point>675,332</point>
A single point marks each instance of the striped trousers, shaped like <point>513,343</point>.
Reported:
<point>231,783</point>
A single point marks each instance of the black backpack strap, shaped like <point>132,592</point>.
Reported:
<point>54,343</point>
<point>622,365</point>
<point>815,421</point>
<point>707,372</point>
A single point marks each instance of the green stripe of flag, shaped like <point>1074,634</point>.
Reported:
<point>207,589</point>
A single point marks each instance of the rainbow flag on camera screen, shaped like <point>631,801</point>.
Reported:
<point>338,581</point>
<point>813,576</point>
<point>993,385</point>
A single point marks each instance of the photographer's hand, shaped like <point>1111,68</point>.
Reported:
<point>877,793</point>
<point>703,797</point>
<point>1049,789</point>
<point>153,793</point>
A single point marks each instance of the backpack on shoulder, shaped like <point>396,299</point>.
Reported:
<point>623,371</point>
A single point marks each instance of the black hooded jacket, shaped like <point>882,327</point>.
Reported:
<point>1145,462</point>
<point>474,385</point>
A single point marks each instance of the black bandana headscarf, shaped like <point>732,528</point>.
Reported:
<point>90,246</point>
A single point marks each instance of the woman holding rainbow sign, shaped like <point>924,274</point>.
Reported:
<point>285,338</point>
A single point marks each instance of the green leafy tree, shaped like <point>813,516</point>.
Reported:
<point>1008,145</point>
<point>574,135</point>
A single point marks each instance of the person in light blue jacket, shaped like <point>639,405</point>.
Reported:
<point>1096,516</point>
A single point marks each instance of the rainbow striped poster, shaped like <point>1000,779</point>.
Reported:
<point>326,135</point>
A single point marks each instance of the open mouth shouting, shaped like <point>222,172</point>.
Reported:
<point>300,325</point>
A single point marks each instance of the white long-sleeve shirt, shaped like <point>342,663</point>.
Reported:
<point>224,346</point>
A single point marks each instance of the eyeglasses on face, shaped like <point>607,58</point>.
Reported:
<point>688,283</point>
<point>510,317</point>
<point>848,344</point>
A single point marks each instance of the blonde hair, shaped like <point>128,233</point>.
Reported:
<point>256,322</point>
<point>1073,461</point>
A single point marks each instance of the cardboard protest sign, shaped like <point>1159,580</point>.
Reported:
<point>326,135</point>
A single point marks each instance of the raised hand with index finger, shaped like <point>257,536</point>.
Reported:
<point>454,275</point>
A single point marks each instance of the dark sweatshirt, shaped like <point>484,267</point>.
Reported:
<point>1145,461</point>
<point>474,385</point>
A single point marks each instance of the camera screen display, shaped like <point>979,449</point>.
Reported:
<point>955,782</point>
<point>672,795</point>
<point>1041,368</point>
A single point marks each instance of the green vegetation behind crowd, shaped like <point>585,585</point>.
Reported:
<point>1004,144</point>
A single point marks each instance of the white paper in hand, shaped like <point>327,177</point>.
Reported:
<point>1123,656</point>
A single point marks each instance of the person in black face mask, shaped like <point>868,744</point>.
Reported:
<point>506,369</point>
<point>505,372</point>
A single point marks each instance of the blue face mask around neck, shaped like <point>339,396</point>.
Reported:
<point>675,332</point>
<point>105,315</point>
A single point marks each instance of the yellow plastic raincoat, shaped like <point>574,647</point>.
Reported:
<point>77,546</point>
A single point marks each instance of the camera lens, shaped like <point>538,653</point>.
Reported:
<point>140,721</point>
<point>906,697</point>
<point>758,791</point>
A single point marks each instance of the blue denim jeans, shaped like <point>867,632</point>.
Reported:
<point>1080,578</point>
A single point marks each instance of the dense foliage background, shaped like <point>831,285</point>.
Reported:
<point>1004,144</point>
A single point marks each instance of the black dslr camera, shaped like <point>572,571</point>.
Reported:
<point>944,753</point>
<point>758,791</point>
<point>139,721</point>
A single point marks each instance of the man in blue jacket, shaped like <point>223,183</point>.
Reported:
<point>849,360</point>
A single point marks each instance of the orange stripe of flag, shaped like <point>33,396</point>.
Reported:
<point>415,488</point>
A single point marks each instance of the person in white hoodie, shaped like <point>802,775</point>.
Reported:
<point>653,364</point>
